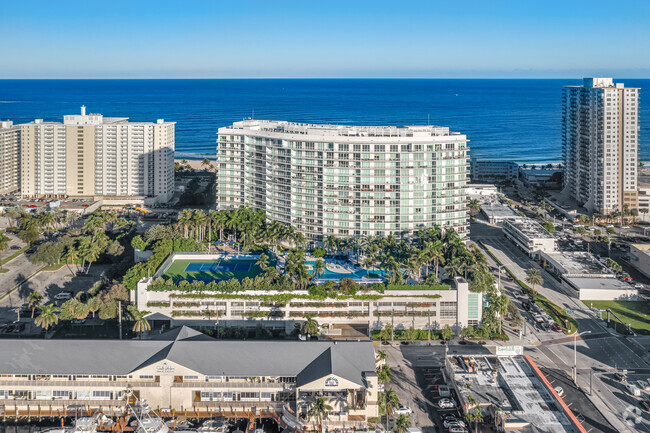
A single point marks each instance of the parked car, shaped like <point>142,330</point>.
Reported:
<point>443,390</point>
<point>559,390</point>
<point>644,385</point>
<point>620,377</point>
<point>639,286</point>
<point>78,321</point>
<point>446,403</point>
<point>63,296</point>
<point>457,430</point>
<point>456,423</point>
<point>403,410</point>
<point>644,404</point>
<point>634,390</point>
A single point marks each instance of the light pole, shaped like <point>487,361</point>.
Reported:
<point>575,355</point>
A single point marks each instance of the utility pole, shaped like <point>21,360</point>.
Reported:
<point>591,374</point>
<point>119,314</point>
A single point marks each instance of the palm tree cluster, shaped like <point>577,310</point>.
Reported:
<point>32,225</point>
<point>432,247</point>
<point>248,227</point>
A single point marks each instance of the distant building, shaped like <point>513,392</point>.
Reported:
<point>587,276</point>
<point>476,190</point>
<point>347,181</point>
<point>497,213</point>
<point>98,157</point>
<point>640,257</point>
<point>600,137</point>
<point>529,236</point>
<point>493,171</point>
<point>9,157</point>
<point>539,176</point>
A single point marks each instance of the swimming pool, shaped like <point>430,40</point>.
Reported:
<point>356,275</point>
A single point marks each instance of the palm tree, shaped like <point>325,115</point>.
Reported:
<point>475,417</point>
<point>185,220</point>
<point>34,301</point>
<point>141,324</point>
<point>69,257</point>
<point>318,411</point>
<point>309,326</point>
<point>205,163</point>
<point>436,254</point>
<point>501,308</point>
<point>454,267</point>
<point>382,355</point>
<point>91,253</point>
<point>319,268</point>
<point>331,244</point>
<point>534,278</point>
<point>93,305</point>
<point>4,244</point>
<point>262,262</point>
<point>474,207</point>
<point>389,402</point>
<point>48,316</point>
<point>402,424</point>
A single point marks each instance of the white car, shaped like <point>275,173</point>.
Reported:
<point>446,403</point>
<point>639,286</point>
<point>403,410</point>
<point>63,296</point>
<point>457,430</point>
<point>450,424</point>
<point>559,390</point>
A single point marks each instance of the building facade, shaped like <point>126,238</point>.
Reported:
<point>107,158</point>
<point>529,236</point>
<point>600,137</point>
<point>186,370</point>
<point>454,305</point>
<point>9,157</point>
<point>345,180</point>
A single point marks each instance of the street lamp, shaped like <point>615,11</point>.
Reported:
<point>575,355</point>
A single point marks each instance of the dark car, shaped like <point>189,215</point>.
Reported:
<point>620,377</point>
<point>644,404</point>
<point>9,329</point>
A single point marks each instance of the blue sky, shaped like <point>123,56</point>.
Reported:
<point>326,38</point>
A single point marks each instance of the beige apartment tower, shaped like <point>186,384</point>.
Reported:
<point>92,156</point>
<point>600,136</point>
<point>9,157</point>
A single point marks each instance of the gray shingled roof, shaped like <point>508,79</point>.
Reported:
<point>305,360</point>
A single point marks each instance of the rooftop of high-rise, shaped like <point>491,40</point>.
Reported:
<point>285,127</point>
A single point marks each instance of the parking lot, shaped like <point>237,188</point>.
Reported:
<point>417,372</point>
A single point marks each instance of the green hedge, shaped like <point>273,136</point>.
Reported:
<point>417,287</point>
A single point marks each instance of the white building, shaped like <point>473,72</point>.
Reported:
<point>9,157</point>
<point>185,370</point>
<point>588,277</point>
<point>345,180</point>
<point>600,135</point>
<point>98,157</point>
<point>640,258</point>
<point>529,236</point>
<point>493,171</point>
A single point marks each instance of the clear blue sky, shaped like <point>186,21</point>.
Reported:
<point>324,38</point>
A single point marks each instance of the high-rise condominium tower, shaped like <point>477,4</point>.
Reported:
<point>9,157</point>
<point>600,133</point>
<point>345,180</point>
<point>89,155</point>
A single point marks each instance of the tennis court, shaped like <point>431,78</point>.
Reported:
<point>218,267</point>
<point>211,270</point>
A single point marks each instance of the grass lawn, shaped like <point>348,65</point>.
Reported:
<point>177,271</point>
<point>635,313</point>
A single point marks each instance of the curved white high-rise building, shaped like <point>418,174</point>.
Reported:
<point>345,181</point>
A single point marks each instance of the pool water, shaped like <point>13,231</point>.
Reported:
<point>356,275</point>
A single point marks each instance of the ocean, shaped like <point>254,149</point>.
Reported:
<point>518,120</point>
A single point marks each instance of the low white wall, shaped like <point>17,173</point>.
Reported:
<point>608,295</point>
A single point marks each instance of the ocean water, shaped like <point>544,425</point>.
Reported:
<point>517,120</point>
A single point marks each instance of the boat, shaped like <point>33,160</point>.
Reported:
<point>85,424</point>
<point>214,426</point>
